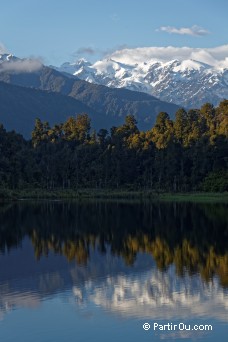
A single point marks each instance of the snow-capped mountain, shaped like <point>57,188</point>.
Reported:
<point>185,81</point>
<point>6,57</point>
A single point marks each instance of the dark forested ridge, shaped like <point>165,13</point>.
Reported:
<point>186,154</point>
<point>109,103</point>
<point>19,107</point>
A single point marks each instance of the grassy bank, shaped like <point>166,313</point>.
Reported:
<point>195,197</point>
<point>74,194</point>
<point>41,194</point>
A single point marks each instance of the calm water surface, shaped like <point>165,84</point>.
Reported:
<point>97,271</point>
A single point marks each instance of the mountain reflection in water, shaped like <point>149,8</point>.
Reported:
<point>141,260</point>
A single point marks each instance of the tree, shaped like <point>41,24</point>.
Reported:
<point>180,126</point>
<point>102,135</point>
<point>222,118</point>
<point>77,128</point>
<point>40,132</point>
<point>162,132</point>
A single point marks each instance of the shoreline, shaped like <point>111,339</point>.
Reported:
<point>40,194</point>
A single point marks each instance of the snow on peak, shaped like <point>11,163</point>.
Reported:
<point>73,68</point>
<point>82,61</point>
<point>7,57</point>
<point>108,66</point>
<point>190,64</point>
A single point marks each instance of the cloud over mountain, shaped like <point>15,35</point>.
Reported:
<point>214,56</point>
<point>2,48</point>
<point>21,65</point>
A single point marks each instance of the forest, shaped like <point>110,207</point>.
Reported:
<point>189,153</point>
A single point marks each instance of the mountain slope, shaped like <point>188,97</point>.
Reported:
<point>20,106</point>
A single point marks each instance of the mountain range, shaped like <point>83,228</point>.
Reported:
<point>185,81</point>
<point>28,89</point>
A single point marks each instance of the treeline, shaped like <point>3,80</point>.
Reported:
<point>186,154</point>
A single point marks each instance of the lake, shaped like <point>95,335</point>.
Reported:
<point>99,270</point>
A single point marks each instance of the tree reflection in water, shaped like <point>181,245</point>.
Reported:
<point>191,236</point>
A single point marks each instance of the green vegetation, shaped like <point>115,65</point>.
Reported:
<point>188,154</point>
<point>42,194</point>
<point>195,197</point>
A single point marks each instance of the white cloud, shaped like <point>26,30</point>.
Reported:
<point>2,49</point>
<point>23,65</point>
<point>216,56</point>
<point>191,31</point>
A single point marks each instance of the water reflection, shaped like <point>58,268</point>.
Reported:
<point>193,237</point>
<point>156,295</point>
<point>141,260</point>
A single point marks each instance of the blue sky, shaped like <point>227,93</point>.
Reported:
<point>60,31</point>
